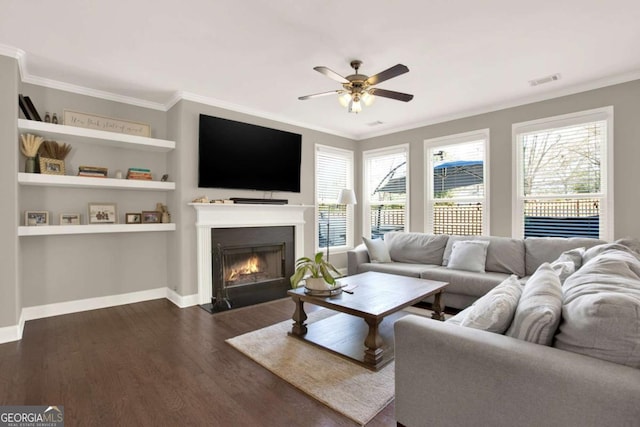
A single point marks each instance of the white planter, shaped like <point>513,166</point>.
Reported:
<point>317,284</point>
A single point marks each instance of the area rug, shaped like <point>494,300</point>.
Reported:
<point>350,389</point>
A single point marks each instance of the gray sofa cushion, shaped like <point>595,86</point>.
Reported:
<point>416,247</point>
<point>400,268</point>
<point>601,309</point>
<point>504,255</point>
<point>465,282</point>
<point>539,250</point>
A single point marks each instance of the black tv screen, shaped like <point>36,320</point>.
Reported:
<point>244,156</point>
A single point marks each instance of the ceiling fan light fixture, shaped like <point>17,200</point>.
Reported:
<point>344,99</point>
<point>368,99</point>
<point>355,107</point>
<point>358,89</point>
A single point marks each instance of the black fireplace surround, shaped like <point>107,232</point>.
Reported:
<point>250,265</point>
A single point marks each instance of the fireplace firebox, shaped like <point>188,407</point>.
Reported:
<point>250,265</point>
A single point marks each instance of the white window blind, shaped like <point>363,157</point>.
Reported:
<point>386,183</point>
<point>334,223</point>
<point>456,191</point>
<point>562,185</point>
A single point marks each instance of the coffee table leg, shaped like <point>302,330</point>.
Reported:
<point>373,342</point>
<point>437,307</point>
<point>299,316</point>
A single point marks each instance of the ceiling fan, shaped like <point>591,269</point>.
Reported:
<point>358,88</point>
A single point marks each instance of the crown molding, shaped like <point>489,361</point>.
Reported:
<point>95,93</point>
<point>571,90</point>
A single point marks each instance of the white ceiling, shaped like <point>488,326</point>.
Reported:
<point>257,56</point>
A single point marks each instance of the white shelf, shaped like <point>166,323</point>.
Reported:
<point>88,182</point>
<point>71,134</point>
<point>50,230</point>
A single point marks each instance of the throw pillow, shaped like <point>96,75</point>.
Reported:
<point>539,309</point>
<point>568,263</point>
<point>377,249</point>
<point>469,255</point>
<point>494,311</point>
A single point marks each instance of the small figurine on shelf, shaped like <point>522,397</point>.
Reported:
<point>54,119</point>
<point>47,117</point>
<point>166,216</point>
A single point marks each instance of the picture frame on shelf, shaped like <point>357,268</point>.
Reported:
<point>151,217</point>
<point>36,218</point>
<point>103,213</point>
<point>93,121</point>
<point>51,166</point>
<point>23,107</point>
<point>70,218</point>
<point>133,218</point>
<point>32,109</point>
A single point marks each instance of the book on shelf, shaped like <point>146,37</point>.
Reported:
<point>139,173</point>
<point>92,171</point>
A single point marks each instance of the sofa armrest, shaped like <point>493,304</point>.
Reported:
<point>448,375</point>
<point>355,257</point>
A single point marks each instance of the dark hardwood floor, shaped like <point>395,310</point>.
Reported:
<point>154,364</point>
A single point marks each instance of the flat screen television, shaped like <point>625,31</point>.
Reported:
<point>244,156</point>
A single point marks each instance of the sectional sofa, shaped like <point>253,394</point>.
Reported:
<point>567,352</point>
<point>427,256</point>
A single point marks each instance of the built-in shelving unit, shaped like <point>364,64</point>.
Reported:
<point>72,135</point>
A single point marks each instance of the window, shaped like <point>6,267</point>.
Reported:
<point>334,224</point>
<point>457,184</point>
<point>562,173</point>
<point>386,185</point>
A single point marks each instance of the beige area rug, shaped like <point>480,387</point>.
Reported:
<point>344,386</point>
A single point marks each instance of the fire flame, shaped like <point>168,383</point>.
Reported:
<point>251,266</point>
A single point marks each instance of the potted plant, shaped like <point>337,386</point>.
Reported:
<point>319,270</point>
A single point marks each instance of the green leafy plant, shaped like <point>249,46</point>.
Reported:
<point>316,267</point>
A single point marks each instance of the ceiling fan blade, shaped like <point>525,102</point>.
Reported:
<point>318,95</point>
<point>331,74</point>
<point>387,74</point>
<point>399,96</point>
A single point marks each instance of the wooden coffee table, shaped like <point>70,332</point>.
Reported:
<point>376,297</point>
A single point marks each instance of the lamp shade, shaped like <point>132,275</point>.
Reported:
<point>347,197</point>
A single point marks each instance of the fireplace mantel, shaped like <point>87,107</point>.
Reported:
<point>217,215</point>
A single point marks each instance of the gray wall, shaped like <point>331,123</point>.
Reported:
<point>625,99</point>
<point>9,274</point>
<point>184,118</point>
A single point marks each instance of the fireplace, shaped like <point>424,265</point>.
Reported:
<point>218,216</point>
<point>250,265</point>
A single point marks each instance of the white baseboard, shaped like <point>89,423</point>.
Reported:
<point>182,301</point>
<point>14,332</point>
<point>10,333</point>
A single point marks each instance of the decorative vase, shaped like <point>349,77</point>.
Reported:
<point>317,284</point>
<point>30,165</point>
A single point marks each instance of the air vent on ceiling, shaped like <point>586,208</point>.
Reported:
<point>376,123</point>
<point>544,80</point>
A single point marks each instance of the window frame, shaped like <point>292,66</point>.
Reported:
<point>348,155</point>
<point>458,138</point>
<point>606,171</point>
<point>366,205</point>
